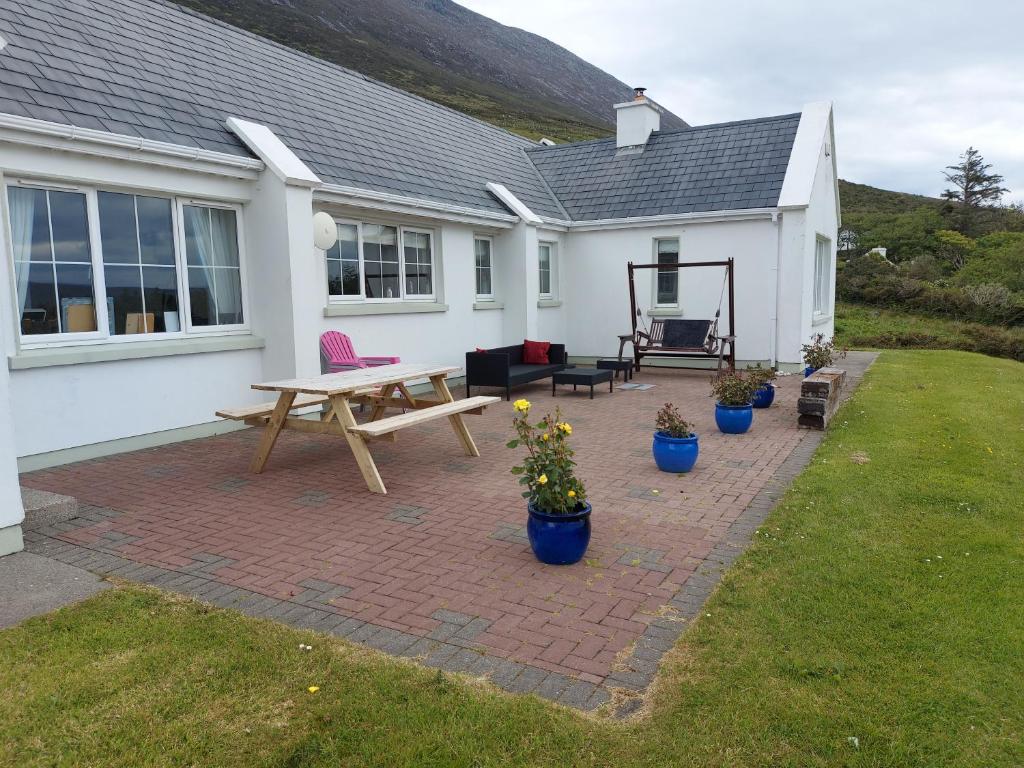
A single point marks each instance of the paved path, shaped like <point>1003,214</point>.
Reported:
<point>31,585</point>
<point>440,569</point>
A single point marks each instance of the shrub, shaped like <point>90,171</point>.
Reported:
<point>548,469</point>
<point>670,422</point>
<point>733,388</point>
<point>821,352</point>
<point>761,376</point>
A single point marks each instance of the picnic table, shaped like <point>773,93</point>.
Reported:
<point>381,387</point>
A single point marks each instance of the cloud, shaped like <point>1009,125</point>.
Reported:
<point>914,84</point>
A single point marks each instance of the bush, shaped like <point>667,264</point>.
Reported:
<point>734,388</point>
<point>670,422</point>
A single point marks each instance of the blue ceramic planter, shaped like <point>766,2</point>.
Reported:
<point>808,371</point>
<point>675,454</point>
<point>734,419</point>
<point>559,539</point>
<point>764,397</point>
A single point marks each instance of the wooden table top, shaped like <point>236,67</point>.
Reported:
<point>350,381</point>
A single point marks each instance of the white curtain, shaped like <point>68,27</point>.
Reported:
<point>229,283</point>
<point>199,221</point>
<point>23,208</point>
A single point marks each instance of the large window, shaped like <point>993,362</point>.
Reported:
<point>546,270</point>
<point>482,247</point>
<point>71,246</point>
<point>822,276</point>
<point>667,290</point>
<point>367,263</point>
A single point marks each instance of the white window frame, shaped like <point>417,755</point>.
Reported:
<point>490,267</point>
<point>102,333</point>
<point>822,288</point>
<point>401,230</point>
<point>552,291</point>
<point>654,299</point>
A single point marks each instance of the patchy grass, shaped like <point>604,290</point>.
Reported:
<point>875,621</point>
<point>863,327</point>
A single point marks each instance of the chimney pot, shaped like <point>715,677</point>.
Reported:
<point>635,120</point>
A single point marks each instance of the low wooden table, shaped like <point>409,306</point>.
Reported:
<point>372,386</point>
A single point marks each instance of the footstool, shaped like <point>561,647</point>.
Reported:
<point>584,376</point>
<point>626,366</point>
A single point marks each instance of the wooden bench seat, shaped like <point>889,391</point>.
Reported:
<point>403,420</point>
<point>265,409</point>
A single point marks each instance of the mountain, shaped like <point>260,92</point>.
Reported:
<point>860,198</point>
<point>448,54</point>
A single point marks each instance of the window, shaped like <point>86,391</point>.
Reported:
<point>546,268</point>
<point>138,253</point>
<point>366,264</point>
<point>484,277</point>
<point>52,261</point>
<point>137,239</point>
<point>822,276</point>
<point>667,290</point>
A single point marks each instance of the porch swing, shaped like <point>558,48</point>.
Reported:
<point>678,338</point>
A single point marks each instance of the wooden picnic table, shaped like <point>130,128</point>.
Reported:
<point>381,387</point>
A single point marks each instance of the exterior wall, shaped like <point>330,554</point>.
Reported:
<point>552,316</point>
<point>823,219</point>
<point>597,291</point>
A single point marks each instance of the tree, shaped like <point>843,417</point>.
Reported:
<point>954,248</point>
<point>974,187</point>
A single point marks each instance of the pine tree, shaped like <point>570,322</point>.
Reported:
<point>974,187</point>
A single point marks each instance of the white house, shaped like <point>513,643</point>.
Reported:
<point>160,171</point>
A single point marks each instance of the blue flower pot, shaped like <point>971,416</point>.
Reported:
<point>675,454</point>
<point>808,371</point>
<point>734,419</point>
<point>559,539</point>
<point>764,397</point>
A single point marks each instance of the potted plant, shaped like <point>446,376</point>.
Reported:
<point>675,446</point>
<point>820,353</point>
<point>559,522</point>
<point>734,393</point>
<point>764,395</point>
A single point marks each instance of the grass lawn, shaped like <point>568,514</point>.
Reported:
<point>876,621</point>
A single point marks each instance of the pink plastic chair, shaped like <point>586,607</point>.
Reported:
<point>339,355</point>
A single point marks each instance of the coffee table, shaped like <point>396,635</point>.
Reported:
<point>585,376</point>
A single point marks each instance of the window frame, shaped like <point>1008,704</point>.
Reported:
<point>490,268</point>
<point>552,291</point>
<point>102,333</point>
<point>400,230</point>
<point>821,283</point>
<point>655,304</point>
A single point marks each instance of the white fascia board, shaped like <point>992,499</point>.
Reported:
<point>513,203</point>
<point>265,144</point>
<point>698,217</point>
<point>412,206</point>
<point>798,184</point>
<point>16,129</point>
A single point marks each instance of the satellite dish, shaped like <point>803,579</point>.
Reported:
<point>325,231</point>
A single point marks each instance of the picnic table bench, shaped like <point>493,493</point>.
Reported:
<point>376,387</point>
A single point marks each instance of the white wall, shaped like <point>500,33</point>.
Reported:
<point>823,219</point>
<point>596,289</point>
<point>552,321</point>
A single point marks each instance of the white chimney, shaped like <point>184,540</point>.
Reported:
<point>635,120</point>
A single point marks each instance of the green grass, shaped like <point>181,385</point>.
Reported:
<point>876,621</point>
<point>864,327</point>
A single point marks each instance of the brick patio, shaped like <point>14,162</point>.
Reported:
<point>440,568</point>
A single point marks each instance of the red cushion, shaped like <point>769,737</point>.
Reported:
<point>480,349</point>
<point>536,352</point>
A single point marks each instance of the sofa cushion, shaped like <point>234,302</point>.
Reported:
<point>536,352</point>
<point>519,374</point>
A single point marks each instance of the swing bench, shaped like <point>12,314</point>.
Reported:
<point>678,338</point>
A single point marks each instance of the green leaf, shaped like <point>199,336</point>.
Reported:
<point>518,470</point>
<point>512,444</point>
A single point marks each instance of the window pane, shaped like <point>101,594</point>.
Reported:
<point>224,237</point>
<point>118,234</point>
<point>197,236</point>
<point>229,297</point>
<point>483,281</point>
<point>160,292</point>
<point>37,298</point>
<point>343,262</point>
<point>70,227</point>
<point>156,231</point>
<point>74,290</point>
<point>545,257</point>
<point>668,277</point>
<point>418,266</point>
<point>30,224</point>
<point>200,296</point>
<point>214,276</point>
<point>124,290</point>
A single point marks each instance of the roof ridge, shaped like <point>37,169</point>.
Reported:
<point>324,62</point>
<point>671,131</point>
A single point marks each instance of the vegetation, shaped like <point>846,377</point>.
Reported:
<point>734,388</point>
<point>761,377</point>
<point>863,327</point>
<point>670,422</point>
<point>548,470</point>
<point>821,352</point>
<point>874,621</point>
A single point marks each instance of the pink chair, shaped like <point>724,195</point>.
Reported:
<point>339,355</point>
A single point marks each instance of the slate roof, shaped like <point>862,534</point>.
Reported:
<point>152,69</point>
<point>720,167</point>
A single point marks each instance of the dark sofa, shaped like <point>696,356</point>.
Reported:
<point>504,367</point>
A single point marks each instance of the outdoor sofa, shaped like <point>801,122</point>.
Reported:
<point>504,367</point>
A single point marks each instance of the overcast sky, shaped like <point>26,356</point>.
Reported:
<point>913,83</point>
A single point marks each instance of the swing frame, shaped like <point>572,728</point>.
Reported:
<point>653,346</point>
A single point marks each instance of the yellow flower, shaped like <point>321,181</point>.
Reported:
<point>313,688</point>
<point>542,479</point>
<point>565,427</point>
<point>572,494</point>
<point>545,436</point>
<point>521,405</point>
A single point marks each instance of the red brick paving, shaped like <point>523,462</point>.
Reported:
<point>444,537</point>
